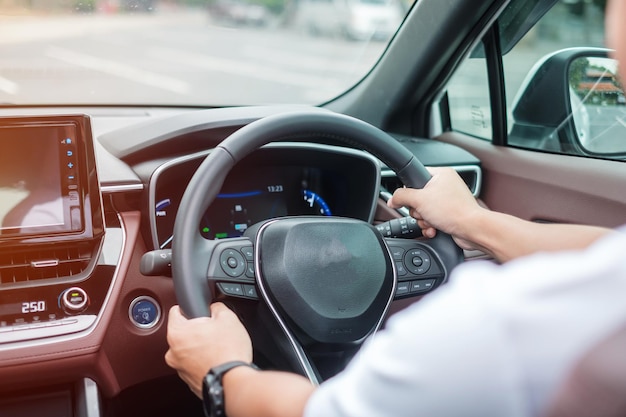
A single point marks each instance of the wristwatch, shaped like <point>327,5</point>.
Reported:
<point>212,390</point>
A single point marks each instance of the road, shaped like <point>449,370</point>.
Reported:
<point>173,56</point>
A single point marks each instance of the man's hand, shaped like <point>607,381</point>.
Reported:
<point>200,344</point>
<point>445,204</point>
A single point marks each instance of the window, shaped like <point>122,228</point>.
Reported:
<point>468,97</point>
<point>561,89</point>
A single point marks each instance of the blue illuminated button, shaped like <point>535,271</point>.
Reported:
<point>144,312</point>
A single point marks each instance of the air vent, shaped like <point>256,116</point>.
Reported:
<point>43,263</point>
<point>469,173</point>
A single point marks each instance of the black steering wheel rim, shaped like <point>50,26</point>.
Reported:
<point>192,292</point>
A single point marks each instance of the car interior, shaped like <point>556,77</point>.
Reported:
<point>114,212</point>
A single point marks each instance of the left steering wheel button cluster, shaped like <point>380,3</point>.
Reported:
<point>232,262</point>
<point>235,264</point>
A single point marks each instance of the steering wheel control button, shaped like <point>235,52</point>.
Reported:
<point>231,289</point>
<point>74,300</point>
<point>232,262</point>
<point>250,291</point>
<point>422,286</point>
<point>417,261</point>
<point>144,312</point>
<point>250,270</point>
<point>429,284</point>
<point>401,270</point>
<point>396,252</point>
<point>403,288</point>
<point>248,252</point>
<point>418,287</point>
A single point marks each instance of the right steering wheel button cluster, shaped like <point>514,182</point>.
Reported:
<point>417,261</point>
<point>417,269</point>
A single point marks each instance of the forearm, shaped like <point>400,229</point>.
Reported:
<point>507,237</point>
<point>252,393</point>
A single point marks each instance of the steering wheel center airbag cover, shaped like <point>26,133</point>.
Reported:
<point>333,278</point>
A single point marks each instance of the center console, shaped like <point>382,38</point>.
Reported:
<point>51,228</point>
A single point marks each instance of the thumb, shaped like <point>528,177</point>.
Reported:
<point>218,309</point>
<point>176,315</point>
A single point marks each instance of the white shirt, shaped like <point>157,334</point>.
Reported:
<point>495,341</point>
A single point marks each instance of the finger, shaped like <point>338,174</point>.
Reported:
<point>169,358</point>
<point>423,224</point>
<point>427,229</point>
<point>218,309</point>
<point>175,321</point>
<point>404,197</point>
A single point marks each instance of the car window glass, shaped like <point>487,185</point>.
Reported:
<point>190,52</point>
<point>588,116</point>
<point>468,97</point>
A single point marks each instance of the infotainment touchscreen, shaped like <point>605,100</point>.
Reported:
<point>40,179</point>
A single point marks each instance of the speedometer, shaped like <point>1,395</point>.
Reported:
<point>316,203</point>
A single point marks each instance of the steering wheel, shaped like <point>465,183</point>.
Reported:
<point>327,281</point>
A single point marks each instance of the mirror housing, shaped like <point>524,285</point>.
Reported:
<point>547,113</point>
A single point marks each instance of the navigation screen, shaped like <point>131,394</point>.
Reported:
<point>39,180</point>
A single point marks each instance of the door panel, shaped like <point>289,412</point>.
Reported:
<point>548,187</point>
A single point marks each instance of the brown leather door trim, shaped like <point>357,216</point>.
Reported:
<point>548,187</point>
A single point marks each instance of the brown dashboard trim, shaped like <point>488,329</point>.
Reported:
<point>66,358</point>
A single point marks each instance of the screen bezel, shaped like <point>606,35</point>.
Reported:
<point>87,189</point>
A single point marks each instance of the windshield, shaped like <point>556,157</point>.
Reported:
<point>186,52</point>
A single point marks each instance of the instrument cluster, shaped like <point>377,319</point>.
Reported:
<point>275,181</point>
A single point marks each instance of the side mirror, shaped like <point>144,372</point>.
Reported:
<point>571,102</point>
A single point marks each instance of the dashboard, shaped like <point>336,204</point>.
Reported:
<point>76,312</point>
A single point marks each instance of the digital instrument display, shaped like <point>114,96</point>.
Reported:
<point>279,192</point>
<point>272,182</point>
<point>40,185</point>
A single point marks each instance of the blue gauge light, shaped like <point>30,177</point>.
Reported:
<point>317,203</point>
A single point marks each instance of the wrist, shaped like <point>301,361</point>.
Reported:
<point>471,226</point>
<point>213,397</point>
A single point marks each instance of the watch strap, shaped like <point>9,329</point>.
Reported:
<point>213,391</point>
